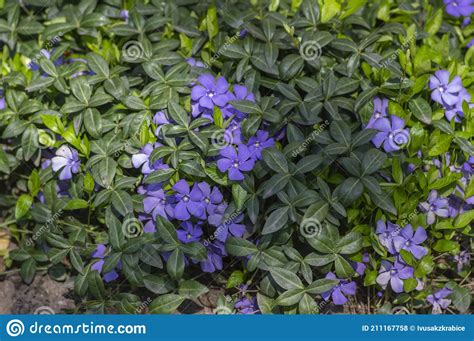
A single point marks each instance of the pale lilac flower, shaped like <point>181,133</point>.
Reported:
<point>395,274</point>
<point>97,266</point>
<point>246,306</point>
<point>340,290</point>
<point>409,240</point>
<point>435,206</point>
<point>462,259</point>
<point>392,133</point>
<point>156,203</point>
<point>445,92</point>
<point>142,159</point>
<point>380,111</point>
<point>195,63</point>
<point>386,233</point>
<point>66,160</point>
<point>439,301</point>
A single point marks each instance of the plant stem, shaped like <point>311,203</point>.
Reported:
<point>8,222</point>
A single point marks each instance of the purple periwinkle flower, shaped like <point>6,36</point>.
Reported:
<point>215,252</point>
<point>189,232</point>
<point>235,162</point>
<point>148,223</point>
<point>2,103</point>
<point>456,111</point>
<point>395,274</point>
<point>258,143</point>
<point>386,233</point>
<point>462,259</point>
<point>233,227</point>
<point>471,43</point>
<point>206,199</point>
<point>66,159</point>
<point>156,203</point>
<point>195,63</point>
<point>246,306</point>
<point>142,159</point>
<point>340,290</point>
<point>240,93</point>
<point>210,92</point>
<point>100,254</point>
<point>435,206</point>
<point>468,166</point>
<point>124,15</point>
<point>409,240</point>
<point>380,111</point>
<point>185,206</point>
<point>445,92</point>
<point>439,301</point>
<point>159,120</point>
<point>392,133</point>
<point>458,8</point>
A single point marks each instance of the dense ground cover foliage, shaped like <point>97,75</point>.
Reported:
<point>293,154</point>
